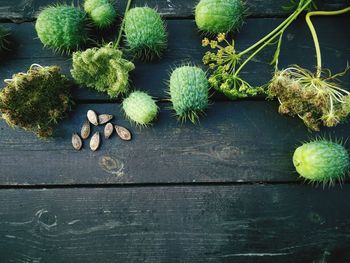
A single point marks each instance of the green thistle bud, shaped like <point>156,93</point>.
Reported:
<point>145,32</point>
<point>321,161</point>
<point>219,16</point>
<point>62,27</point>
<point>189,92</point>
<point>102,12</point>
<point>140,108</point>
<point>102,69</point>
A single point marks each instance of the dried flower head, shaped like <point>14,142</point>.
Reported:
<point>316,100</point>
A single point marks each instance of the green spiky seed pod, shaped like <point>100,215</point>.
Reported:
<point>102,12</point>
<point>189,90</point>
<point>3,35</point>
<point>36,100</point>
<point>321,161</point>
<point>103,69</point>
<point>140,108</point>
<point>62,27</point>
<point>145,32</point>
<point>220,16</point>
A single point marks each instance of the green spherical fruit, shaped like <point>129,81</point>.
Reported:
<point>189,90</point>
<point>145,32</point>
<point>62,27</point>
<point>102,12</point>
<point>219,16</point>
<point>140,108</point>
<point>103,69</point>
<point>321,161</point>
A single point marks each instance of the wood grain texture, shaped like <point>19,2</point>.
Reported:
<point>26,10</point>
<point>254,223</point>
<point>242,141</point>
<point>185,47</point>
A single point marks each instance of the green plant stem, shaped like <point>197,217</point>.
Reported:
<point>293,16</point>
<point>278,31</point>
<point>314,33</point>
<point>116,43</point>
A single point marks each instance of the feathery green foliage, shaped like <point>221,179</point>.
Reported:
<point>103,69</point>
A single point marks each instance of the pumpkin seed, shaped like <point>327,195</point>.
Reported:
<point>123,133</point>
<point>104,118</point>
<point>76,142</point>
<point>92,117</point>
<point>85,130</point>
<point>95,141</point>
<point>108,130</point>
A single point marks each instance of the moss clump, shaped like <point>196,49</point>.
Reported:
<point>102,12</point>
<point>145,32</point>
<point>189,90</point>
<point>219,16</point>
<point>140,108</point>
<point>62,27</point>
<point>322,161</point>
<point>36,100</point>
<point>102,69</point>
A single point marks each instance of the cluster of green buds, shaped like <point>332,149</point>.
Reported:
<point>223,61</point>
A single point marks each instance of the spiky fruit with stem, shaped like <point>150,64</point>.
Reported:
<point>36,100</point>
<point>140,108</point>
<point>145,32</point>
<point>62,27</point>
<point>227,64</point>
<point>322,161</point>
<point>101,12</point>
<point>220,16</point>
<point>317,98</point>
<point>189,90</point>
<point>103,69</point>
<point>3,35</point>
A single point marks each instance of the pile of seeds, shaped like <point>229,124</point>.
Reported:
<point>94,119</point>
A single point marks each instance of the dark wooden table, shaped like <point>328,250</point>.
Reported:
<point>221,191</point>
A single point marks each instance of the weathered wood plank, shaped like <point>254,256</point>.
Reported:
<point>26,10</point>
<point>276,223</point>
<point>242,141</point>
<point>185,47</point>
